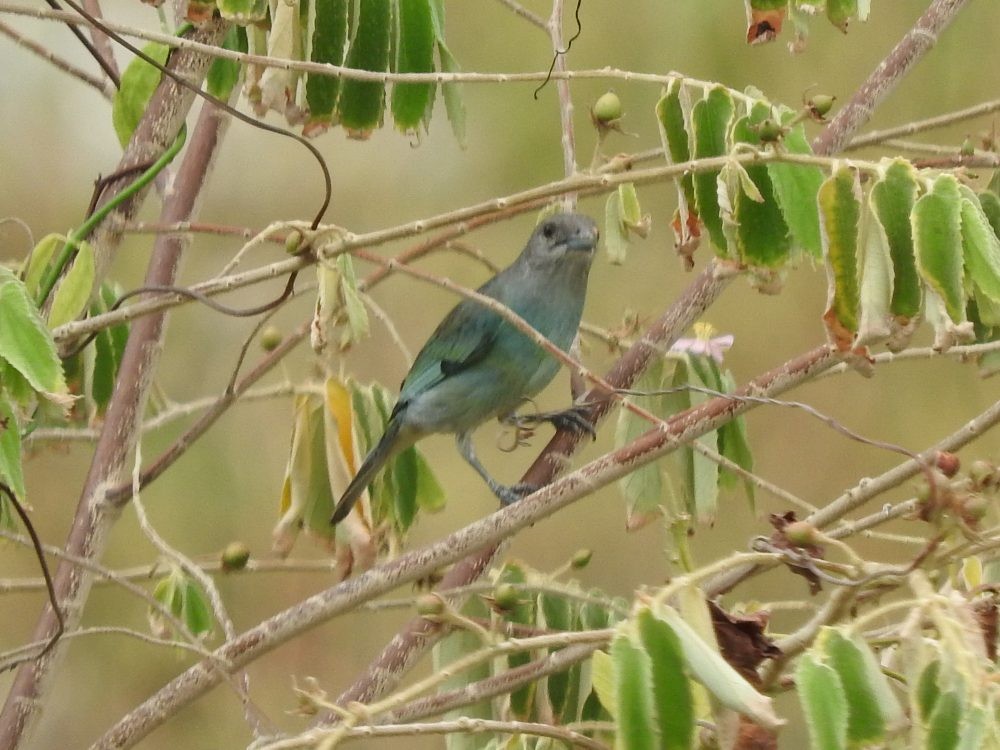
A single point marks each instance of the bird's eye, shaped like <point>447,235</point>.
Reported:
<point>548,231</point>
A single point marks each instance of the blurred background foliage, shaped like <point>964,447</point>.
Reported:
<point>57,137</point>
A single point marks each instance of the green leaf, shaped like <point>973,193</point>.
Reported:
<point>734,442</point>
<point>870,702</point>
<point>109,347</point>
<point>184,600</point>
<point>73,292</point>
<point>196,613</point>
<point>761,232</point>
<point>415,54</point>
<point>672,697</point>
<point>823,702</point>
<point>558,614</point>
<point>453,102</point>
<point>329,43</point>
<point>840,213</point>
<point>981,247</point>
<point>711,670</point>
<point>430,494</point>
<point>710,120</point>
<point>25,342</point>
<point>138,83</point>
<point>937,237</point>
<point>643,487</point>
<point>673,133</point>
<point>243,11</point>
<point>945,722</point>
<point>521,700</point>
<point>892,199</point>
<point>357,314</point>
<point>990,203</point>
<point>928,691</point>
<point>404,469</point>
<point>602,676</point>
<point>795,187</point>
<point>452,647</point>
<point>877,323</point>
<point>637,728</point>
<point>361,102</point>
<point>39,260</point>
<point>223,74</point>
<point>615,238</point>
<point>10,453</point>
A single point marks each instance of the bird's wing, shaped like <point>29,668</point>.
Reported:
<point>466,335</point>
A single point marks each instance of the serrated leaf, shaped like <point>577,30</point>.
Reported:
<point>73,292</point>
<point>223,74</point>
<point>10,453</point>
<point>674,134</point>
<point>328,45</point>
<point>704,474</point>
<point>361,102</point>
<point>761,232</point>
<point>892,199</point>
<point>795,188</point>
<point>990,203</point>
<point>823,702</point>
<point>415,54</point>
<point>980,246</point>
<point>839,202</point>
<point>674,705</point>
<point>711,670</point>
<point>937,238</point>
<point>523,613</point>
<point>453,102</point>
<point>138,83</point>
<point>558,614</point>
<point>635,719</point>
<point>25,342</point>
<point>710,120</point>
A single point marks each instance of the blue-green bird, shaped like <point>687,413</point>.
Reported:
<point>477,365</point>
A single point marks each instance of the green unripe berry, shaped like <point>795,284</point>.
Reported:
<point>581,558</point>
<point>506,597</point>
<point>820,105</point>
<point>607,108</point>
<point>430,605</point>
<point>270,337</point>
<point>293,241</point>
<point>801,534</point>
<point>235,556</point>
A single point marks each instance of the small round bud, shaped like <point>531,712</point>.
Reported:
<point>801,534</point>
<point>293,241</point>
<point>581,558</point>
<point>506,597</point>
<point>430,605</point>
<point>981,473</point>
<point>770,131</point>
<point>974,508</point>
<point>270,337</point>
<point>968,148</point>
<point>235,556</point>
<point>948,463</point>
<point>607,108</point>
<point>820,105</point>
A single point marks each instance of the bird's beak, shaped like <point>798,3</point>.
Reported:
<point>583,241</point>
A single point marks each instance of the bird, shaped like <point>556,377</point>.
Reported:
<point>477,365</point>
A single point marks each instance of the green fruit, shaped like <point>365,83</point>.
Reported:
<point>581,558</point>
<point>820,105</point>
<point>270,337</point>
<point>607,108</point>
<point>430,605</point>
<point>801,534</point>
<point>235,556</point>
<point>506,597</point>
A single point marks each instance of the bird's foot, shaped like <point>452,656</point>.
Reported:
<point>574,419</point>
<point>510,494</point>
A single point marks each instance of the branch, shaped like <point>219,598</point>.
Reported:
<point>62,64</point>
<point>919,126</point>
<point>94,518</point>
<point>884,79</point>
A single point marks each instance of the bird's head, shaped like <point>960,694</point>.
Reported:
<point>563,239</point>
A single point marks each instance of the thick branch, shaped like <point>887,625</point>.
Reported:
<point>94,517</point>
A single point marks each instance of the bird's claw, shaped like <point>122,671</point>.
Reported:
<point>574,419</point>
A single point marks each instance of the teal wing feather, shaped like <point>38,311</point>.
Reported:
<point>466,335</point>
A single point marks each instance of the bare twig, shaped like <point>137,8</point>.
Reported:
<point>62,64</point>
<point>919,126</point>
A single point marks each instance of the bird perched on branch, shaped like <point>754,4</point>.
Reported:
<point>478,365</point>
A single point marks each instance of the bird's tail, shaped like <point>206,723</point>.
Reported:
<point>386,448</point>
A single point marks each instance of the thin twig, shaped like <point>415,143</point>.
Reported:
<point>919,126</point>
<point>102,87</point>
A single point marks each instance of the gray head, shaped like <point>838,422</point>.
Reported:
<point>564,240</point>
